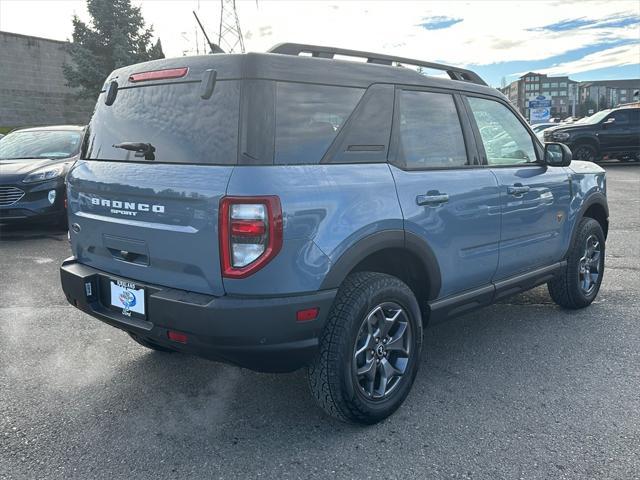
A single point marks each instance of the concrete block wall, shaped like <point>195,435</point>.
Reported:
<point>33,89</point>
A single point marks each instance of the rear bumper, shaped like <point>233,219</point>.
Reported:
<point>257,333</point>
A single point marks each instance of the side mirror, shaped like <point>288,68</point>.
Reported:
<point>557,155</point>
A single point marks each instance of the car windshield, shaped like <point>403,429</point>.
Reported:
<point>38,144</point>
<point>595,118</point>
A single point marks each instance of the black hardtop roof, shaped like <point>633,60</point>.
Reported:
<point>309,69</point>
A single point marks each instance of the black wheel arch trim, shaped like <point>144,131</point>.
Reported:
<point>595,198</point>
<point>381,241</point>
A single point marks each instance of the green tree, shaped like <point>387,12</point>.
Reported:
<point>115,37</point>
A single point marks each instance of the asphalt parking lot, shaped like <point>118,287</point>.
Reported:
<point>521,389</point>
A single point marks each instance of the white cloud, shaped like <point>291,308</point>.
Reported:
<point>490,32</point>
<point>611,57</point>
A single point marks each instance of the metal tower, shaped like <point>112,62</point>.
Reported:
<point>230,35</point>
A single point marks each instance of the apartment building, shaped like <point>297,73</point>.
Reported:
<point>562,91</point>
<point>609,93</point>
<point>567,95</point>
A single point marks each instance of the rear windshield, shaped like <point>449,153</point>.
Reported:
<point>180,125</point>
<point>284,123</point>
<point>40,144</point>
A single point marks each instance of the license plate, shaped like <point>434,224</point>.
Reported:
<point>126,296</point>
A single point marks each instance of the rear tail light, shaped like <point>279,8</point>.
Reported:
<point>250,234</point>
<point>159,74</point>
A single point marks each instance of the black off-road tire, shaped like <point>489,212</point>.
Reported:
<point>149,344</point>
<point>565,288</point>
<point>332,377</point>
<point>586,152</point>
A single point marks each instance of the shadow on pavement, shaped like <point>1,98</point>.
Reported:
<point>31,231</point>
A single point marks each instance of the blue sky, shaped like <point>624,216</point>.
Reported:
<point>587,40</point>
<point>494,73</point>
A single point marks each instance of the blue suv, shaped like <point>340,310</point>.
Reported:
<point>289,209</point>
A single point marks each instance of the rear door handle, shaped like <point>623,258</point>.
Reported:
<point>432,199</point>
<point>518,189</point>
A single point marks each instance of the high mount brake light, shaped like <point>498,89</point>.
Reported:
<point>159,74</point>
<point>250,230</point>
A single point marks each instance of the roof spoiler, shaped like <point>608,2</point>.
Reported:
<point>296,49</point>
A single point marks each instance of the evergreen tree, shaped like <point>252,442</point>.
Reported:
<point>115,37</point>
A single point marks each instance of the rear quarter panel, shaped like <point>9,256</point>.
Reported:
<point>326,209</point>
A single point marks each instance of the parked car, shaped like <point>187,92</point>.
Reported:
<point>613,133</point>
<point>539,128</point>
<point>33,165</point>
<point>571,119</point>
<point>279,210</point>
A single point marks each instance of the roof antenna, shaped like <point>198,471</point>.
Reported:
<point>214,48</point>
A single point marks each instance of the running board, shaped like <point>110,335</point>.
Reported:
<point>461,303</point>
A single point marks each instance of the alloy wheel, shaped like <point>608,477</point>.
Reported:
<point>382,350</point>
<point>585,153</point>
<point>589,265</point>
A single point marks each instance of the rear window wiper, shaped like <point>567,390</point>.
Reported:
<point>145,150</point>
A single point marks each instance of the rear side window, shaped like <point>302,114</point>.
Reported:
<point>429,131</point>
<point>308,119</point>
<point>173,118</point>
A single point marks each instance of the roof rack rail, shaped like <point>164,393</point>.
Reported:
<point>329,52</point>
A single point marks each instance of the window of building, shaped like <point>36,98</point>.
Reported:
<point>563,93</point>
<point>554,85</point>
<point>554,93</point>
<point>563,84</point>
<point>622,92</point>
<point>506,141</point>
<point>545,85</point>
<point>430,135</point>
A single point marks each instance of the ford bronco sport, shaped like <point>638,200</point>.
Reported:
<point>291,209</point>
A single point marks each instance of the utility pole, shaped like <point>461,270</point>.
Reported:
<point>230,34</point>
